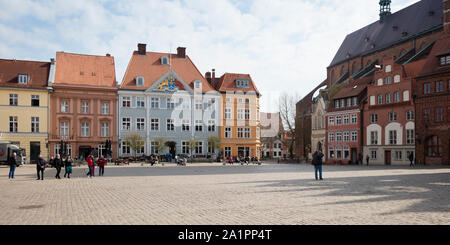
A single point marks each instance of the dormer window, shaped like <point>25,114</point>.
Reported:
<point>388,68</point>
<point>164,60</point>
<point>23,79</point>
<point>445,60</point>
<point>198,85</point>
<point>242,83</point>
<point>139,81</point>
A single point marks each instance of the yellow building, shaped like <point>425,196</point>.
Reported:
<point>24,105</point>
<point>240,129</point>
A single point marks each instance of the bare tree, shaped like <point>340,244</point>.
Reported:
<point>135,141</point>
<point>287,109</point>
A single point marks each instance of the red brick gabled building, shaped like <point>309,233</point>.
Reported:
<point>432,106</point>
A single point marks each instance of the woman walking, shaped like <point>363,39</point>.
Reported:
<point>68,166</point>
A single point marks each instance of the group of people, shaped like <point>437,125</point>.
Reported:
<point>245,160</point>
<point>180,160</point>
<point>58,163</point>
<point>92,162</point>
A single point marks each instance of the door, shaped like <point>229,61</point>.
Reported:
<point>84,151</point>
<point>354,159</point>
<point>387,157</point>
<point>35,150</point>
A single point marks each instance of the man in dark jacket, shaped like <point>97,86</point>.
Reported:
<point>411,159</point>
<point>12,165</point>
<point>57,163</point>
<point>40,167</point>
<point>317,162</point>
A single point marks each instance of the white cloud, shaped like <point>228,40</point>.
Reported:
<point>284,45</point>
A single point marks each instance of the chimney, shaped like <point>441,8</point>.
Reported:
<point>142,48</point>
<point>385,9</point>
<point>208,77</point>
<point>446,9</point>
<point>52,61</point>
<point>213,78</point>
<point>181,52</point>
<point>108,55</point>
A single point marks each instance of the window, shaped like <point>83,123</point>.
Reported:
<point>140,81</point>
<point>227,151</point>
<point>126,149</point>
<point>426,115</point>
<point>330,121</point>
<point>13,99</point>
<point>240,114</point>
<point>426,88</point>
<point>396,78</point>
<point>346,137</point>
<point>85,130</point>
<point>228,113</point>
<point>34,100</point>
<point>354,101</point>
<point>105,129</point>
<point>247,100</point>
<point>387,80</point>
<point>170,103</point>
<point>392,137</point>
<point>184,147</point>
<point>338,153</point>
<point>186,125</point>
<point>140,102</point>
<point>199,147</point>
<point>140,124</point>
<point>198,125</point>
<point>126,101</point>
<point>396,96</point>
<point>410,136</point>
<point>406,95</point>
<point>154,147</point>
<point>373,118</point>
<point>372,100</point>
<point>336,103</point>
<point>242,83</point>
<point>23,79</point>
<point>380,99</point>
<point>240,133</point>
<point>380,82</point>
<point>211,125</point>
<point>346,152</point>
<point>84,107</point>
<point>210,103</point>
<point>197,85</point>
<point>35,124</point>
<point>373,155</point>
<point>354,119</point>
<point>330,137</point>
<point>13,124</point>
<point>434,147</point>
<point>349,102</point>
<point>247,133</point>
<point>397,155</point>
<point>439,86</point>
<point>445,60</point>
<point>155,103</point>
<point>346,117</point>
<point>105,108</point>
<point>388,98</point>
<point>374,137</point>
<point>126,123</point>
<point>154,124</point>
<point>211,148</point>
<point>331,152</point>
<point>439,116</point>
<point>64,128</point>
<point>140,150</point>
<point>354,136</point>
<point>338,120</point>
<point>247,114</point>
<point>388,68</point>
<point>410,115</point>
<point>164,60</point>
<point>198,104</point>
<point>338,137</point>
<point>170,124</point>
<point>228,133</point>
<point>64,106</point>
<point>392,116</point>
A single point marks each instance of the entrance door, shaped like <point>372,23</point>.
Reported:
<point>354,158</point>
<point>243,151</point>
<point>172,148</point>
<point>35,150</point>
<point>84,151</point>
<point>387,157</point>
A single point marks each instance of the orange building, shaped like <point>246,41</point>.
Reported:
<point>240,127</point>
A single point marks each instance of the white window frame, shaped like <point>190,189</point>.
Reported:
<point>126,123</point>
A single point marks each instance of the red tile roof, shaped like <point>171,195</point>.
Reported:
<point>354,88</point>
<point>227,82</point>
<point>149,66</point>
<point>432,63</point>
<point>10,69</point>
<point>81,69</point>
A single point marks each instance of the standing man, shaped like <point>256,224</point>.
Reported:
<point>12,165</point>
<point>40,167</point>
<point>57,163</point>
<point>101,165</point>
<point>367,159</point>
<point>411,159</point>
<point>317,162</point>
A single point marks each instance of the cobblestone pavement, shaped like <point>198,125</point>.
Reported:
<point>206,193</point>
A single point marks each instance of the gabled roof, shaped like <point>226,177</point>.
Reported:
<point>353,89</point>
<point>38,73</point>
<point>432,62</point>
<point>81,69</point>
<point>149,66</point>
<point>418,18</point>
<point>227,82</point>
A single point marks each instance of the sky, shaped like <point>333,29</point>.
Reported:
<point>285,45</point>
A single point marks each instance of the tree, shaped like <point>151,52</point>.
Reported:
<point>213,142</point>
<point>192,144</point>
<point>287,108</point>
<point>160,144</point>
<point>135,141</point>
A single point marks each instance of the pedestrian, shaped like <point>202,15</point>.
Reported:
<point>317,162</point>
<point>40,167</point>
<point>411,159</point>
<point>367,159</point>
<point>57,163</point>
<point>12,161</point>
<point>101,165</point>
<point>52,159</point>
<point>360,158</point>
<point>68,166</point>
<point>90,161</point>
<point>247,160</point>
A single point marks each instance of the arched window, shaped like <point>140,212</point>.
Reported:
<point>434,147</point>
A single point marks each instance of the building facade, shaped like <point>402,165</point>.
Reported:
<point>318,129</point>
<point>164,96</point>
<point>271,135</point>
<point>24,104</point>
<point>83,105</point>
